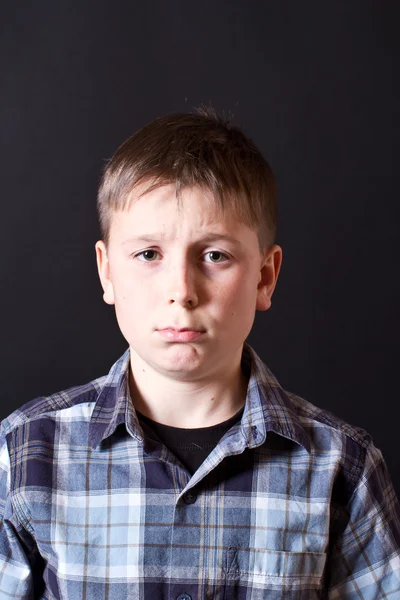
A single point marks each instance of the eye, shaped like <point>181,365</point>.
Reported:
<point>147,255</point>
<point>216,256</point>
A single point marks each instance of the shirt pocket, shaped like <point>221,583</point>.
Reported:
<point>273,570</point>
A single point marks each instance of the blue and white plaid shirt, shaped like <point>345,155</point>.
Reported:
<point>291,504</point>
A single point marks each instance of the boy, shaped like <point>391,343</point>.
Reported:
<point>188,473</point>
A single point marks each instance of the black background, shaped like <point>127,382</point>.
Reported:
<point>315,84</point>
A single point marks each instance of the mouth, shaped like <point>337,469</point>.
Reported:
<point>171,334</point>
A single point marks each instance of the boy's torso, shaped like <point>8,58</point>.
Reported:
<point>120,517</point>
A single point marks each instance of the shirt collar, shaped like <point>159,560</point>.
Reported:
<point>268,407</point>
<point>113,405</point>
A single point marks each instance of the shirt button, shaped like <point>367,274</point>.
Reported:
<point>184,596</point>
<point>254,432</point>
<point>189,498</point>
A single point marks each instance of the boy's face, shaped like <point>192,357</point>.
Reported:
<point>168,269</point>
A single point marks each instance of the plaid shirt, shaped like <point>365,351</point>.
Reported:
<point>291,504</point>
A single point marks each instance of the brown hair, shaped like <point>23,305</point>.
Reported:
<point>193,149</point>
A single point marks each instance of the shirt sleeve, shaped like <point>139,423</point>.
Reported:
<point>365,561</point>
<point>16,551</point>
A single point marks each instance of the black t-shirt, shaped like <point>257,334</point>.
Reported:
<point>190,446</point>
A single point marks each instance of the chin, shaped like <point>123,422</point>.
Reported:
<point>181,358</point>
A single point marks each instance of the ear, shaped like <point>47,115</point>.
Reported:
<point>268,277</point>
<point>103,267</point>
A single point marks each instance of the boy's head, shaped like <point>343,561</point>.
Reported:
<point>189,150</point>
<point>188,215</point>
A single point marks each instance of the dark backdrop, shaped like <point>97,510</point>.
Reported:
<point>315,84</point>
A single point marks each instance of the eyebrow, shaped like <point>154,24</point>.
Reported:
<point>156,237</point>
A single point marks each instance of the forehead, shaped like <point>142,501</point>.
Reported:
<point>162,210</point>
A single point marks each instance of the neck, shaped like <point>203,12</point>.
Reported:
<point>192,404</point>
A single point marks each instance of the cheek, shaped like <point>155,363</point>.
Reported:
<point>132,311</point>
<point>129,297</point>
<point>239,295</point>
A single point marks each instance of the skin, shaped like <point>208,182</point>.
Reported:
<point>182,279</point>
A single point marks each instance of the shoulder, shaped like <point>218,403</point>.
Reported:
<point>27,434</point>
<point>74,400</point>
<point>325,436</point>
<point>314,417</point>
<point>347,445</point>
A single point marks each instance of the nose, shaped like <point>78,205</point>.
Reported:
<point>182,287</point>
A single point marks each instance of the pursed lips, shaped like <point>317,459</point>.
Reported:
<point>183,334</point>
<point>171,327</point>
